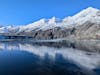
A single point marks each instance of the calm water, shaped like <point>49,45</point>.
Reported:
<point>50,58</point>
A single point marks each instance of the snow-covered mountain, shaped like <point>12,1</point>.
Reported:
<point>86,16</point>
<point>89,14</point>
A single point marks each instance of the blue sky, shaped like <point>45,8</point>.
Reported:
<point>20,12</point>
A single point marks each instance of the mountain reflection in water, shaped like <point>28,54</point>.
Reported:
<point>49,58</point>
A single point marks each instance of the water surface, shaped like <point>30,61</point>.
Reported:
<point>50,58</point>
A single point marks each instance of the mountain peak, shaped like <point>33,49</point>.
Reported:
<point>91,9</point>
<point>54,20</point>
<point>43,20</point>
<point>87,11</point>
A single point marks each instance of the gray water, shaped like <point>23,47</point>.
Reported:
<point>50,58</point>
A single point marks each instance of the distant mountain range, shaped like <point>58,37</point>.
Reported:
<point>84,25</point>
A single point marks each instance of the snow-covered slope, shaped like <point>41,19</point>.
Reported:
<point>89,14</point>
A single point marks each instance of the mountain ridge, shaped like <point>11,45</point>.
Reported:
<point>69,26</point>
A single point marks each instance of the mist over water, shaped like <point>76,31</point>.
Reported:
<point>50,58</point>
